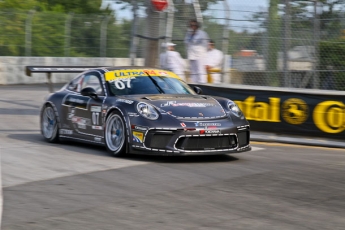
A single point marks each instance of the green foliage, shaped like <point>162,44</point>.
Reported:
<point>332,59</point>
<point>12,35</point>
<point>49,26</point>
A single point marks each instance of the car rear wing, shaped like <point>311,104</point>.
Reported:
<point>56,69</point>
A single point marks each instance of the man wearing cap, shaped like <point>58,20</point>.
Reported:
<point>172,60</point>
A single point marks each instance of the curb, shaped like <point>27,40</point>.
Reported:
<point>300,140</point>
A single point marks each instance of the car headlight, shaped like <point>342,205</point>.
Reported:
<point>147,111</point>
<point>235,109</point>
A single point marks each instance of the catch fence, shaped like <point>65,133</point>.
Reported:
<point>294,44</point>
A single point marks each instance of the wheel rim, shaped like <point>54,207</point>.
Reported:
<point>115,133</point>
<point>48,122</point>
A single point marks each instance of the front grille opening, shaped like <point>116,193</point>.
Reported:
<point>243,139</point>
<point>158,140</point>
<point>206,142</point>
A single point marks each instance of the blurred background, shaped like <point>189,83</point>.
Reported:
<point>281,43</point>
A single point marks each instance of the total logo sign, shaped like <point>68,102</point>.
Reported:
<point>328,116</point>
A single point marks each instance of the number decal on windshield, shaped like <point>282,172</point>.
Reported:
<point>122,83</point>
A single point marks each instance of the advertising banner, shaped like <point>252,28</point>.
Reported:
<point>289,112</point>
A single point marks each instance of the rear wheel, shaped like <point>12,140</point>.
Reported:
<point>49,124</point>
<point>115,134</point>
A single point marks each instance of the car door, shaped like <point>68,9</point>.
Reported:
<point>89,122</point>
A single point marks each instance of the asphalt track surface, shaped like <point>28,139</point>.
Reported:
<point>80,187</point>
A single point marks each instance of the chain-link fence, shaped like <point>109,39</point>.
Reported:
<point>33,33</point>
<point>295,44</point>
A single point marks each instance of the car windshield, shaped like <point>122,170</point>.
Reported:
<point>149,85</point>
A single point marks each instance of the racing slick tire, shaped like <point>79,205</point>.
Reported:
<point>49,124</point>
<point>115,134</point>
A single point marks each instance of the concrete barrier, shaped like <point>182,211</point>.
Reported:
<point>12,69</point>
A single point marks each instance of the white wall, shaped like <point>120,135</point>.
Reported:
<point>12,69</point>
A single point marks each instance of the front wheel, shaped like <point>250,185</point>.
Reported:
<point>115,134</point>
<point>49,124</point>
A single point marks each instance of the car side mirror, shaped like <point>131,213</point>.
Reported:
<point>89,92</point>
<point>197,89</point>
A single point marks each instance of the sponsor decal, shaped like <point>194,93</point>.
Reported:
<point>133,114</point>
<point>125,101</point>
<point>76,101</point>
<point>81,126</point>
<point>200,124</point>
<point>139,127</point>
<point>66,132</point>
<point>183,125</point>
<point>295,111</point>
<point>81,122</point>
<point>71,114</point>
<point>261,111</point>
<point>98,139</point>
<point>96,109</point>
<point>299,112</point>
<point>97,127</point>
<point>329,116</point>
<point>212,131</point>
<point>162,73</point>
<point>187,104</point>
<point>75,119</point>
<point>123,74</point>
<point>138,136</point>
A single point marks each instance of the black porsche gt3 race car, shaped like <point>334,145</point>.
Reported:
<point>142,111</point>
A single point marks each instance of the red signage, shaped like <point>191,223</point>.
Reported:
<point>159,5</point>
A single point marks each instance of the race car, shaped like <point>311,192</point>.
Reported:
<point>138,110</point>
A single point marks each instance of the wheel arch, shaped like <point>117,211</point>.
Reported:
<point>50,103</point>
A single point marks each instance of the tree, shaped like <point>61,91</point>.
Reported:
<point>48,30</point>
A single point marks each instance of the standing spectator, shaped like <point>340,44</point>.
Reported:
<point>172,60</point>
<point>196,41</point>
<point>214,62</point>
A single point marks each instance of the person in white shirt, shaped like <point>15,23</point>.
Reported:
<point>214,63</point>
<point>196,41</point>
<point>171,60</point>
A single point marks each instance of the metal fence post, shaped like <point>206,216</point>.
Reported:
<point>151,54</point>
<point>287,36</point>
<point>68,34</point>
<point>316,35</point>
<point>28,33</point>
<point>197,10</point>
<point>133,51</point>
<point>225,43</point>
<point>170,21</point>
<point>103,38</point>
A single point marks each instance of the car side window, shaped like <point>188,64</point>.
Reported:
<point>74,85</point>
<point>92,80</point>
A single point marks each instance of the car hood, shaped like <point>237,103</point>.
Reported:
<point>188,106</point>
